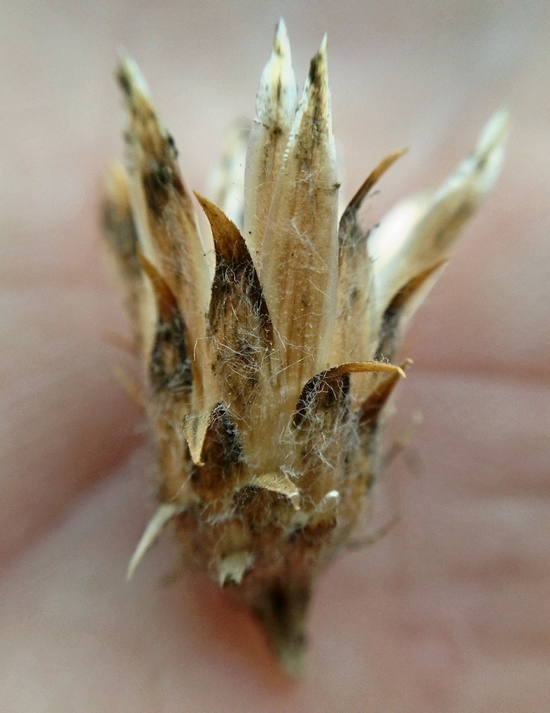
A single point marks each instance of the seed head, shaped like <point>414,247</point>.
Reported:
<point>267,374</point>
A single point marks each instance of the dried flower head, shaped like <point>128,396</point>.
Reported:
<point>267,374</point>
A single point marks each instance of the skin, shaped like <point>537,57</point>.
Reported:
<point>448,612</point>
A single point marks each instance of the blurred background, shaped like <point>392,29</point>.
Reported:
<point>450,611</point>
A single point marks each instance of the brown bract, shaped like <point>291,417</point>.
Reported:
<point>266,379</point>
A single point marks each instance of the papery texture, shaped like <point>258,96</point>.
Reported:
<point>266,384</point>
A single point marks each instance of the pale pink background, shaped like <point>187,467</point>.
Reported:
<point>451,611</point>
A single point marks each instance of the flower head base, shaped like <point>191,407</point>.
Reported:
<point>267,374</point>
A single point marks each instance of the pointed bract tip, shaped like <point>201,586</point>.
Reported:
<point>162,515</point>
<point>129,75</point>
<point>494,132</point>
<point>228,241</point>
<point>318,64</point>
<point>194,429</point>
<point>232,567</point>
<point>281,43</point>
<point>370,182</point>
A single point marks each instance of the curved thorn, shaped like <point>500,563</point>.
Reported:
<point>162,515</point>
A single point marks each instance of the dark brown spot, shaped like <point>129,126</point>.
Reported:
<point>323,393</point>
<point>172,145</point>
<point>169,365</point>
<point>314,74</point>
<point>222,453</point>
<point>282,610</point>
<point>124,81</point>
<point>156,183</point>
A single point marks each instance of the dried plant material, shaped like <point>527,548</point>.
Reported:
<point>163,514</point>
<point>267,381</point>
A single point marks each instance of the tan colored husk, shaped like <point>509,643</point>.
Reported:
<point>266,385</point>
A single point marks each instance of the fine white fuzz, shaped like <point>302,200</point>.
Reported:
<point>266,382</point>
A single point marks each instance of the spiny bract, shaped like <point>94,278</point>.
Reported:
<point>267,373</point>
